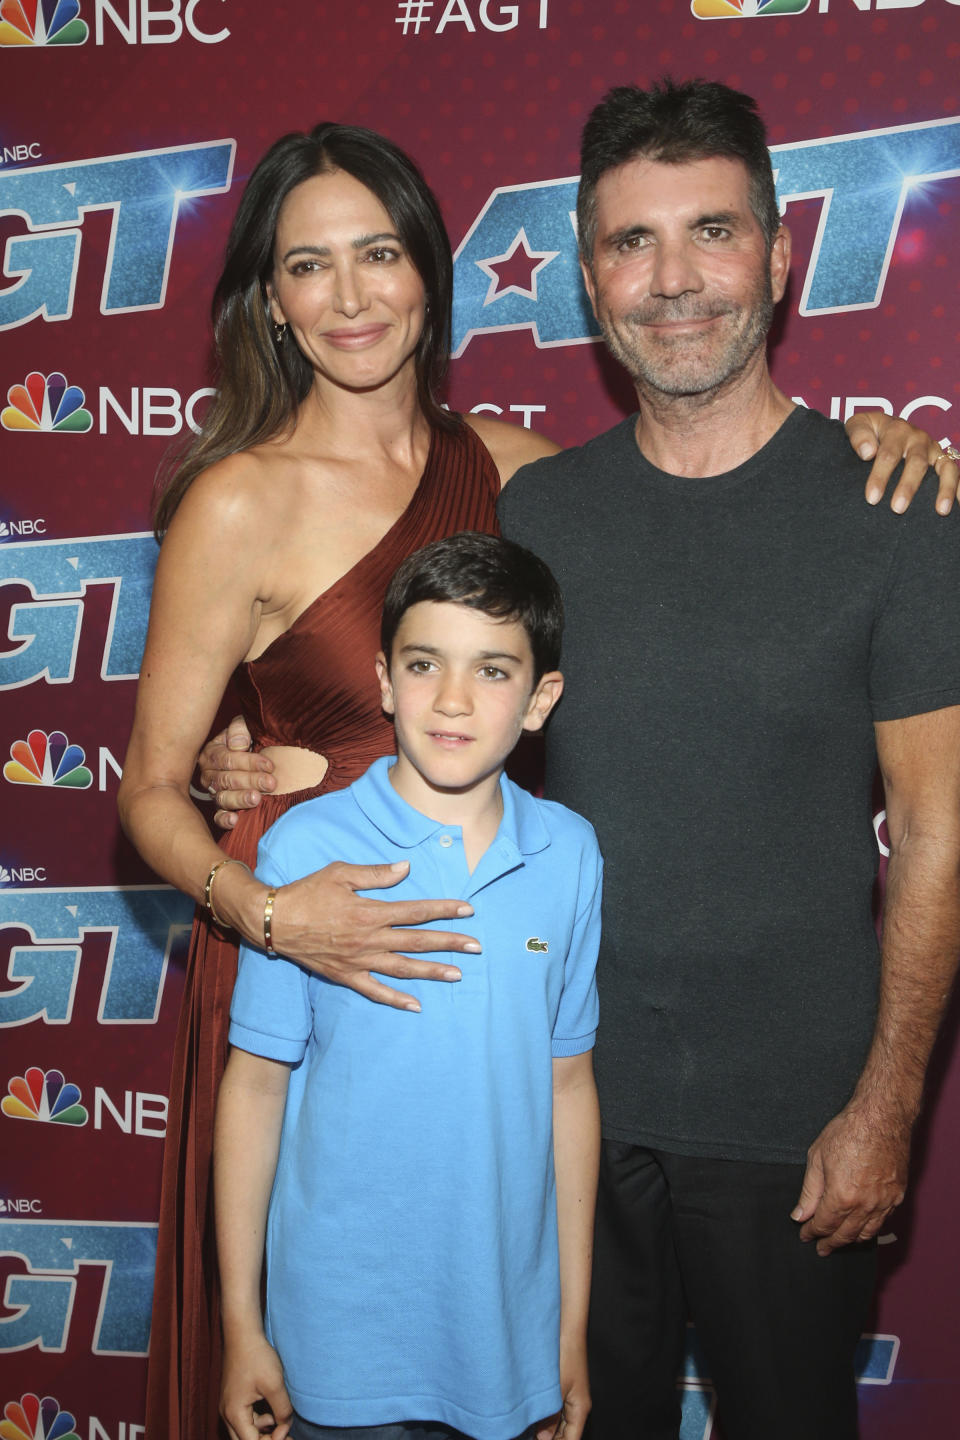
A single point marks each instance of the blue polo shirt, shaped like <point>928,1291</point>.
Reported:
<point>412,1263</point>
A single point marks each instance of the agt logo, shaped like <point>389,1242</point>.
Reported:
<point>145,191</point>
<point>47,760</point>
<point>517,267</point>
<point>110,1262</point>
<point>417,15</point>
<point>46,629</point>
<point>47,404</point>
<point>114,945</point>
<point>58,22</point>
<point>31,1418</point>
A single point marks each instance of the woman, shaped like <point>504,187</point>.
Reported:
<point>324,460</point>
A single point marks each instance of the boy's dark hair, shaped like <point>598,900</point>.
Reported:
<point>674,123</point>
<point>490,574</point>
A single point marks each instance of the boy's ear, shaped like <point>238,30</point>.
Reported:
<point>548,690</point>
<point>386,688</point>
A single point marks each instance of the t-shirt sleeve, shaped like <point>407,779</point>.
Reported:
<point>915,648</point>
<point>513,505</point>
<point>270,1013</point>
<point>575,1028</point>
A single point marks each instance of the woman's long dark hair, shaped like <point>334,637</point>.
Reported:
<point>262,384</point>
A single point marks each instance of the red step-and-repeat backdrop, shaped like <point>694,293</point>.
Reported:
<point>127,128</point>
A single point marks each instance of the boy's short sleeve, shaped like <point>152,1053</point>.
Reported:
<point>575,1029</point>
<point>270,1013</point>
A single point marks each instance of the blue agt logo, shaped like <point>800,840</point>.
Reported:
<point>144,190</point>
<point>57,573</point>
<point>52,1253</point>
<point>42,975</point>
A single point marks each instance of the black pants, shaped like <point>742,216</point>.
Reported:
<point>777,1323</point>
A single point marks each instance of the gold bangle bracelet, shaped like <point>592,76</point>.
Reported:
<point>268,924</point>
<point>208,888</point>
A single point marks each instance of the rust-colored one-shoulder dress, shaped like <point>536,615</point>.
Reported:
<point>314,686</point>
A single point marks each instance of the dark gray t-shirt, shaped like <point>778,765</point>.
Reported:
<point>730,643</point>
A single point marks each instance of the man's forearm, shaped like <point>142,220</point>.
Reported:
<point>856,1169</point>
<point>920,949</point>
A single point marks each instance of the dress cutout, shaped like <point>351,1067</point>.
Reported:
<point>315,687</point>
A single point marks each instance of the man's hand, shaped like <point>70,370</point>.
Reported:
<point>856,1174</point>
<point>322,923</point>
<point>252,1377</point>
<point>233,774</point>
<point>887,441</point>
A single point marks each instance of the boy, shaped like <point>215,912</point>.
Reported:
<point>417,1206</point>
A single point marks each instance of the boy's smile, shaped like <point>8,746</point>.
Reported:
<point>460,688</point>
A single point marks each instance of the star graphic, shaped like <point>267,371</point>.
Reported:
<point>519,262</point>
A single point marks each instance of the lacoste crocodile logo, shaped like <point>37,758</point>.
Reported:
<point>538,945</point>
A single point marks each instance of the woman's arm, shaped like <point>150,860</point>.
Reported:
<point>576,1158</point>
<point>203,619</point>
<point>246,1143</point>
<point>510,446</point>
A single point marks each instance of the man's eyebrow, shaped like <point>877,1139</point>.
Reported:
<point>730,218</point>
<point>718,217</point>
<point>628,232</point>
<point>358,244</point>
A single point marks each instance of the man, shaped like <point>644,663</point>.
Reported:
<point>745,639</point>
<point>774,637</point>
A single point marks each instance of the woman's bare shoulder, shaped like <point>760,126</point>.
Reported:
<point>234,493</point>
<point>510,445</point>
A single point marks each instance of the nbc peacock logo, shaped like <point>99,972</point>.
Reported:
<point>47,760</point>
<point>745,9</point>
<point>45,403</point>
<point>31,1418</point>
<point>42,22</point>
<point>43,1095</point>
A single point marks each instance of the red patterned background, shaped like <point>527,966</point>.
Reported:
<point>485,95</point>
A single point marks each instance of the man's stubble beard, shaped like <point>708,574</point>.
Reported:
<point>686,367</point>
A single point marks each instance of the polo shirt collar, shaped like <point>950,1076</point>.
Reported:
<point>521,827</point>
